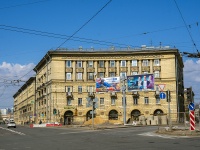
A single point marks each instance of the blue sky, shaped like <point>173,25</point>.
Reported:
<point>122,22</point>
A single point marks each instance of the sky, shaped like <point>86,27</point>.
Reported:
<point>29,28</point>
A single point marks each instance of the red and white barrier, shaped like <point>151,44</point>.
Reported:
<point>192,120</point>
<point>45,125</point>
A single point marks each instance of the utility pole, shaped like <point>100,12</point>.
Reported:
<point>169,110</point>
<point>124,99</point>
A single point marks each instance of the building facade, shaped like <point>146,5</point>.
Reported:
<point>24,103</point>
<point>65,82</point>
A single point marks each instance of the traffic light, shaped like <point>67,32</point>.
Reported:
<point>54,111</point>
<point>168,96</point>
<point>189,98</point>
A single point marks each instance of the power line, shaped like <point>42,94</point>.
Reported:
<point>84,24</point>
<point>60,36</point>
<point>186,26</point>
<point>23,4</point>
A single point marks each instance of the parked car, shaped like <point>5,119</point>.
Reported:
<point>11,124</point>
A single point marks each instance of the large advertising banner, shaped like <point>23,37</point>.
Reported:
<point>140,82</point>
<point>108,84</point>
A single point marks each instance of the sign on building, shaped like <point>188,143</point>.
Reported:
<point>108,84</point>
<point>140,82</point>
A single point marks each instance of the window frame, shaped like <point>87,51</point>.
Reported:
<point>68,63</point>
<point>134,63</point>
<point>146,100</point>
<point>68,76</point>
<point>112,63</point>
<point>123,63</point>
<point>145,62</point>
<point>79,64</point>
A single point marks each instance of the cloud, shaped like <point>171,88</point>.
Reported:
<point>192,70</point>
<point>192,77</point>
<point>8,73</point>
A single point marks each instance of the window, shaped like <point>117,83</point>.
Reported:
<point>68,76</point>
<point>68,63</point>
<point>101,101</point>
<point>113,100</point>
<point>123,74</point>
<point>135,101</point>
<point>79,64</point>
<point>90,89</point>
<point>79,76</point>
<point>123,63</point>
<point>69,101</point>
<point>145,72</point>
<point>145,63</point>
<point>134,73</point>
<point>79,89</point>
<point>101,74</point>
<point>79,101</point>
<point>112,74</point>
<point>90,76</point>
<point>146,100</point>
<point>157,100</point>
<point>101,63</point>
<point>156,62</point>
<point>134,62</point>
<point>112,63</point>
<point>156,74</point>
<point>90,64</point>
<point>68,88</point>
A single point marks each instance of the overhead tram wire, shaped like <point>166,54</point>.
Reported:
<point>23,4</point>
<point>59,36</point>
<point>84,24</point>
<point>186,27</point>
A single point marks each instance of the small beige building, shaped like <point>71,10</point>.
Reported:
<point>65,82</point>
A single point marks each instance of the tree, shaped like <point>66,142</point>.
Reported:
<point>1,118</point>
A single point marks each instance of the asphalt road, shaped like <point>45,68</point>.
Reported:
<point>142,138</point>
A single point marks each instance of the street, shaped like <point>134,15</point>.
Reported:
<point>56,138</point>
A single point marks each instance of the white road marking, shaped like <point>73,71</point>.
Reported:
<point>79,132</point>
<point>20,133</point>
<point>161,136</point>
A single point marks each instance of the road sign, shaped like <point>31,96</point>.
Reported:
<point>191,106</point>
<point>192,120</point>
<point>162,95</point>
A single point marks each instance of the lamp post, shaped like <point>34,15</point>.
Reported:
<point>124,99</point>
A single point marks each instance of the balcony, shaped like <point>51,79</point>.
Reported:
<point>135,94</point>
<point>79,69</point>
<point>101,69</point>
<point>90,69</point>
<point>112,69</point>
<point>123,69</point>
<point>156,68</point>
<point>69,69</point>
<point>145,68</point>
<point>113,94</point>
<point>69,94</point>
<point>134,69</point>
<point>91,94</point>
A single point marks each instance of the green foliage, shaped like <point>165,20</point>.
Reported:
<point>1,116</point>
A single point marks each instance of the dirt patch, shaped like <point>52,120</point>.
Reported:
<point>178,132</point>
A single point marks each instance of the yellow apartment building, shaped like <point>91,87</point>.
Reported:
<point>24,102</point>
<point>65,84</point>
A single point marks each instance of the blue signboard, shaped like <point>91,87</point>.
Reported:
<point>162,95</point>
<point>191,106</point>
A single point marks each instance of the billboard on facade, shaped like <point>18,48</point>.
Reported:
<point>108,84</point>
<point>140,82</point>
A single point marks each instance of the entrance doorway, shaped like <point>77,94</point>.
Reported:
<point>135,115</point>
<point>68,117</point>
